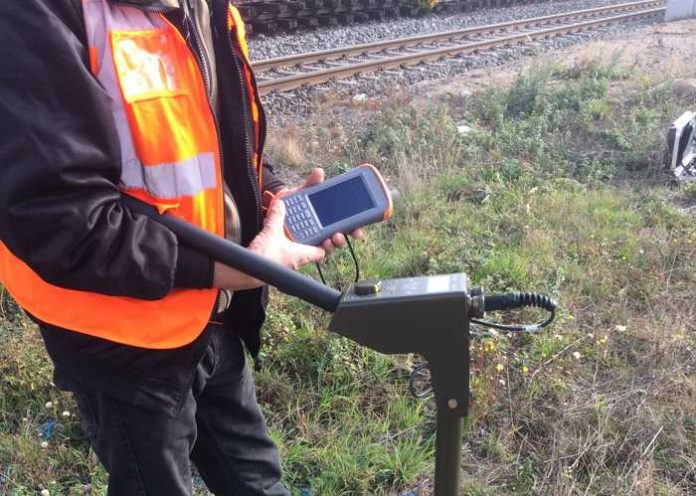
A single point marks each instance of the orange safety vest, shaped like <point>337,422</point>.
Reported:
<point>170,159</point>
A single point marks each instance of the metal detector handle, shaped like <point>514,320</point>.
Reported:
<point>286,280</point>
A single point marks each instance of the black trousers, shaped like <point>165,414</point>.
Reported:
<point>218,426</point>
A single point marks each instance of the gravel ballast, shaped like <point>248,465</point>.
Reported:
<point>267,47</point>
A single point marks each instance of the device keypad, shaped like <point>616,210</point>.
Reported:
<point>299,218</point>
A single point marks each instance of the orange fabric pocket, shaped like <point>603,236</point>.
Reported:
<point>146,64</point>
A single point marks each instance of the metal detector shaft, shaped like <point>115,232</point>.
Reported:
<point>286,280</point>
<point>448,449</point>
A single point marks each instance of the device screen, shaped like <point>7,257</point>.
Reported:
<point>341,201</point>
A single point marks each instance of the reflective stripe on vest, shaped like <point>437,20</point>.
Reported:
<point>170,159</point>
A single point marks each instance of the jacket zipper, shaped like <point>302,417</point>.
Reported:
<point>262,114</point>
<point>246,102</point>
<point>201,55</point>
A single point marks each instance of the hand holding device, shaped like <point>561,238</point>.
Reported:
<point>272,244</point>
<point>338,240</point>
<point>344,203</point>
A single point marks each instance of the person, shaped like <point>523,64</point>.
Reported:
<point>154,99</point>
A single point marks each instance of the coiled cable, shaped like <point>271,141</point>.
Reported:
<point>509,301</point>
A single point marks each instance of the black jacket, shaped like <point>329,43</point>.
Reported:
<point>60,207</point>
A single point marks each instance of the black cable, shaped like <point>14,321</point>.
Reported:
<point>355,262</point>
<point>420,369</point>
<point>355,259</point>
<point>321,272</point>
<point>516,328</point>
<point>509,301</point>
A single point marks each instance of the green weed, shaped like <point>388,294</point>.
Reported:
<point>555,188</point>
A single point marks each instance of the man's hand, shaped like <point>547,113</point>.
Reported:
<point>338,240</point>
<point>270,243</point>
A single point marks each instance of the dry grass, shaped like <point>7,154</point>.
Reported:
<point>286,146</point>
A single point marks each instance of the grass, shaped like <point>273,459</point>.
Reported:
<point>286,147</point>
<point>556,188</point>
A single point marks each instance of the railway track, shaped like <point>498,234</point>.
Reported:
<point>287,73</point>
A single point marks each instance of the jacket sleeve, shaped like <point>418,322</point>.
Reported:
<point>60,209</point>
<point>271,183</point>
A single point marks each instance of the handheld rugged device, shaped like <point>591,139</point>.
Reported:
<point>340,205</point>
<point>428,315</point>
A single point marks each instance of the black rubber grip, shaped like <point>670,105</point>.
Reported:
<point>509,301</point>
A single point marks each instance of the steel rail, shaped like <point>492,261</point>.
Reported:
<point>296,80</point>
<point>337,53</point>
